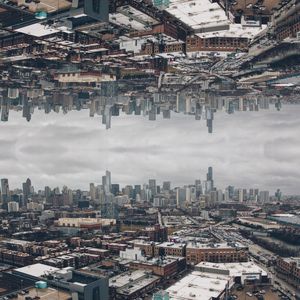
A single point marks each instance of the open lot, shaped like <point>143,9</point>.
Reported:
<point>269,295</point>
<point>269,4</point>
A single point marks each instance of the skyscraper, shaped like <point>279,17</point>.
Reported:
<point>264,197</point>
<point>106,182</point>
<point>92,191</point>
<point>152,187</point>
<point>166,185</point>
<point>209,180</point>
<point>26,191</point>
<point>4,191</point>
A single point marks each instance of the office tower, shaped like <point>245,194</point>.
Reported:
<point>4,191</point>
<point>241,195</point>
<point>47,193</point>
<point>12,93</point>
<point>152,187</point>
<point>67,196</point>
<point>278,195</point>
<point>128,190</point>
<point>198,186</point>
<point>180,197</point>
<point>152,113</point>
<point>204,186</point>
<point>264,103</point>
<point>220,197</point>
<point>166,186</point>
<point>108,208</point>
<point>230,190</point>
<point>26,113</point>
<point>209,119</point>
<point>209,175</point>
<point>253,194</point>
<point>241,103</point>
<point>264,197</point>
<point>193,192</point>
<point>166,113</point>
<point>157,97</point>
<point>115,111</point>
<point>12,206</point>
<point>92,108</point>
<point>198,111</point>
<point>106,182</point>
<point>213,198</point>
<point>4,109</point>
<point>226,195</point>
<point>158,202</point>
<point>92,191</point>
<point>108,179</point>
<point>115,189</point>
<point>138,110</point>
<point>188,105</point>
<point>209,180</point>
<point>106,117</point>
<point>180,102</point>
<point>187,194</point>
<point>26,191</point>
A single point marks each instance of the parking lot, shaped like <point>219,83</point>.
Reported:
<point>248,294</point>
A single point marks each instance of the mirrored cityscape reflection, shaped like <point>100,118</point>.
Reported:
<point>25,89</point>
<point>73,231</point>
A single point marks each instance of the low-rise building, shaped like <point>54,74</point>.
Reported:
<point>131,285</point>
<point>198,285</point>
<point>222,252</point>
<point>167,267</point>
<point>146,247</point>
<point>242,273</point>
<point>169,249</point>
<point>81,285</point>
<point>289,268</point>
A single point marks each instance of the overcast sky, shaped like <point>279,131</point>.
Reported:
<point>247,149</point>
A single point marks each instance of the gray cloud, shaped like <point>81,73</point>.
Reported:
<point>247,149</point>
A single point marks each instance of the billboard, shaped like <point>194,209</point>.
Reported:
<point>97,9</point>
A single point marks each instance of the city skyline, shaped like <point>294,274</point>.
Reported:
<point>149,149</point>
<point>110,193</point>
<point>28,187</point>
<point>72,149</point>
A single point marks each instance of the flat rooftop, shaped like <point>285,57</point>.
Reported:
<point>36,270</point>
<point>292,260</point>
<point>234,31</point>
<point>234,269</point>
<point>215,245</point>
<point>47,294</point>
<point>171,245</point>
<point>126,278</point>
<point>138,285</point>
<point>198,285</point>
<point>198,13</point>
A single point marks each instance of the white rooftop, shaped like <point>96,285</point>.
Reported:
<point>235,269</point>
<point>171,245</point>
<point>37,270</point>
<point>234,31</point>
<point>125,278</point>
<point>198,13</point>
<point>196,245</point>
<point>37,29</point>
<point>198,285</point>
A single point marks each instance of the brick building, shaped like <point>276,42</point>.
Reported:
<point>221,253</point>
<point>289,268</point>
